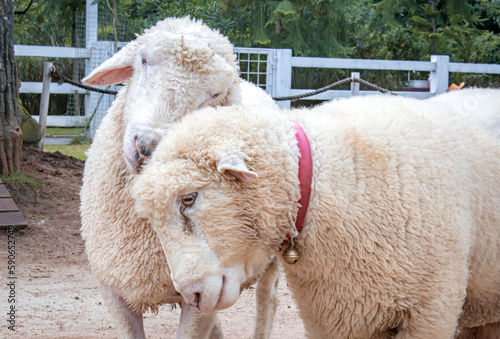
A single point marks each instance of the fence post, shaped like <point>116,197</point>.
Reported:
<point>44,101</point>
<point>355,85</point>
<point>95,104</point>
<point>282,77</point>
<point>90,23</point>
<point>440,77</point>
<point>91,16</point>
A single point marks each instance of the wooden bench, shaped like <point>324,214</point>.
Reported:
<point>9,213</point>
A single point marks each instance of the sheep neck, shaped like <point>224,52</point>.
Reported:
<point>305,174</point>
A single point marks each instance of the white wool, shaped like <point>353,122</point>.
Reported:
<point>402,235</point>
<point>124,253</point>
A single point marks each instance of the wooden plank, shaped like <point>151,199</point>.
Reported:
<point>12,218</point>
<point>3,191</point>
<point>7,205</point>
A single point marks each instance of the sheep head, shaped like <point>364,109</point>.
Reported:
<point>174,68</point>
<point>220,201</point>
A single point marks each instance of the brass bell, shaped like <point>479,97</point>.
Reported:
<point>291,255</point>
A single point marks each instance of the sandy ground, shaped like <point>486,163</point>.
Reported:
<point>56,294</point>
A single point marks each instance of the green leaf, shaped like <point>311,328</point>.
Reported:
<point>421,21</point>
<point>286,8</point>
<point>260,35</point>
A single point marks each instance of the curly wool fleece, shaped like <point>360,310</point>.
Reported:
<point>402,234</point>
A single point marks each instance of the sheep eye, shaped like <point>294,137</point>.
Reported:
<point>189,199</point>
<point>215,95</point>
<point>143,61</point>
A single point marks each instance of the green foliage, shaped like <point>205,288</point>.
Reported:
<point>25,178</point>
<point>467,30</point>
<point>415,29</point>
<point>76,151</point>
<point>63,130</point>
<point>309,28</point>
<point>47,23</point>
<point>81,140</point>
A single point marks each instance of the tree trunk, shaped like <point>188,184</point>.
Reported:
<point>11,135</point>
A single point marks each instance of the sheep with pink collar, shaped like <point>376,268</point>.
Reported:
<point>402,233</point>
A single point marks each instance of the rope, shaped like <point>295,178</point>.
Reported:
<point>61,78</point>
<point>335,84</point>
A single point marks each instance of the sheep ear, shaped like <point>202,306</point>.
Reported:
<point>116,69</point>
<point>232,165</point>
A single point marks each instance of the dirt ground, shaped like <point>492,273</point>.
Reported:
<point>56,294</point>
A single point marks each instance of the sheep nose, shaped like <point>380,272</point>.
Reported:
<point>193,299</point>
<point>144,149</point>
<point>204,293</point>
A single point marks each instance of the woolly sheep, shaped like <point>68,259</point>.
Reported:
<point>402,235</point>
<point>175,67</point>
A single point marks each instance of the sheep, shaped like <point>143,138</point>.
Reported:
<point>175,67</point>
<point>402,233</point>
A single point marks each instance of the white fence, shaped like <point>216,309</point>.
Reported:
<point>271,69</point>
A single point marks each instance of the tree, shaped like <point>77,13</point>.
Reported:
<point>11,135</point>
<point>415,29</point>
<point>309,28</point>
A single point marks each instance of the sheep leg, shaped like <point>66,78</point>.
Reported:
<point>267,300</point>
<point>194,324</point>
<point>438,321</point>
<point>128,323</point>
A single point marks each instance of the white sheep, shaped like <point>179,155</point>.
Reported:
<point>402,233</point>
<point>174,68</point>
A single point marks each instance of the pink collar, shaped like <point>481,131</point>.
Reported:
<point>305,174</point>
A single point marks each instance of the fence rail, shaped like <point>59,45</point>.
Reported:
<point>333,94</point>
<point>458,67</point>
<point>51,52</point>
<point>55,88</point>
<point>374,64</point>
<point>271,69</point>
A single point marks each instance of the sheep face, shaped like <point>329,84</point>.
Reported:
<point>209,241</point>
<point>168,72</point>
<point>220,224</point>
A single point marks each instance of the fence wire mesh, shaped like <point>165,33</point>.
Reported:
<point>253,67</point>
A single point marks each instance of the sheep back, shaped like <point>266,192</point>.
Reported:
<point>404,216</point>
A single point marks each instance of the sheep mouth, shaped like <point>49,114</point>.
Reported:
<point>200,304</point>
<point>228,294</point>
<point>134,162</point>
<point>219,299</point>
